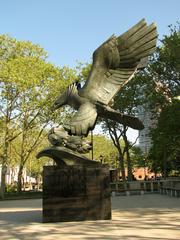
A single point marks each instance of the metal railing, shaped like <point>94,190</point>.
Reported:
<point>142,187</point>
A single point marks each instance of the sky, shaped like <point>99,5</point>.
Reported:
<point>70,30</point>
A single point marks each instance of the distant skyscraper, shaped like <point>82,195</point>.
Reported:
<point>150,121</point>
<point>144,139</point>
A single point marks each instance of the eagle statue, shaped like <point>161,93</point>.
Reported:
<point>114,64</point>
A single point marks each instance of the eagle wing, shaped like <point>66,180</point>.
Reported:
<point>116,61</point>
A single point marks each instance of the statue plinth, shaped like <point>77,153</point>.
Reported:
<point>76,193</point>
<point>78,188</point>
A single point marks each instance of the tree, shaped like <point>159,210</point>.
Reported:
<point>129,100</point>
<point>118,135</point>
<point>160,84</point>
<point>36,115</point>
<point>112,128</point>
<point>34,166</point>
<point>138,157</point>
<point>154,87</point>
<point>165,153</point>
<point>161,78</point>
<point>103,150</point>
<point>28,86</point>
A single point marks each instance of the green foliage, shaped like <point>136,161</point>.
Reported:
<point>102,146</point>
<point>137,156</point>
<point>28,87</point>
<point>168,67</point>
<point>33,165</point>
<point>159,85</point>
<point>165,152</point>
<point>83,71</point>
<point>28,84</point>
<point>129,97</point>
<point>11,188</point>
<point>161,78</point>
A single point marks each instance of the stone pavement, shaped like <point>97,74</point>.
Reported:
<point>141,217</point>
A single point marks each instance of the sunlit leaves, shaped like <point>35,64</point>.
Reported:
<point>28,87</point>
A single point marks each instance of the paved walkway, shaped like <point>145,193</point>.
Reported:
<point>142,217</point>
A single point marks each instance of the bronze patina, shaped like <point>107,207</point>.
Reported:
<point>114,64</point>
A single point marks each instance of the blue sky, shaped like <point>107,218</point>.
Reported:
<point>70,30</point>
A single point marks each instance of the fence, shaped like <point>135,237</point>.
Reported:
<point>170,187</point>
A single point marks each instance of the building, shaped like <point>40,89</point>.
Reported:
<point>144,138</point>
<point>146,117</point>
<point>11,176</point>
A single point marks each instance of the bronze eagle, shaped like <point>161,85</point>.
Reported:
<point>114,64</point>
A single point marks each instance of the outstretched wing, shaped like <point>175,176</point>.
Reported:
<point>116,61</point>
<point>83,120</point>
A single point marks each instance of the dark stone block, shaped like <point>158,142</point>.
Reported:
<point>76,193</point>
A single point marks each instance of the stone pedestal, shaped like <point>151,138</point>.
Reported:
<point>76,193</point>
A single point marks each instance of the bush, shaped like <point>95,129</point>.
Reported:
<point>11,188</point>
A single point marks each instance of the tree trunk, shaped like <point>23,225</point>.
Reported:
<point>19,184</point>
<point>129,167</point>
<point>4,169</point>
<point>3,178</point>
<point>121,161</point>
<point>38,179</point>
<point>165,164</point>
<point>122,169</point>
<point>121,164</point>
<point>115,138</point>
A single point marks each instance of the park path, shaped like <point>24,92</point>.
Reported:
<point>141,217</point>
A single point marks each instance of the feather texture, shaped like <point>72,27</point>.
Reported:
<point>116,61</point>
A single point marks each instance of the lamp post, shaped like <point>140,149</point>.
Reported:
<point>92,151</point>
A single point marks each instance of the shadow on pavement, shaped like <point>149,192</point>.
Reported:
<point>135,217</point>
<point>22,216</point>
